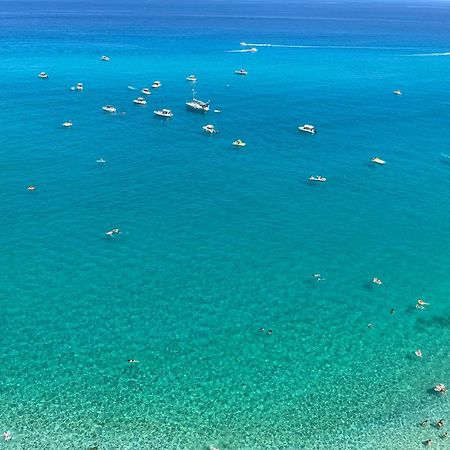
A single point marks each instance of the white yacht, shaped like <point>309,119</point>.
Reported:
<point>241,72</point>
<point>163,113</point>
<point>239,143</point>
<point>146,91</point>
<point>210,129</point>
<point>198,105</point>
<point>109,108</point>
<point>80,86</point>
<point>105,58</point>
<point>140,101</point>
<point>191,78</point>
<point>67,124</point>
<point>308,129</point>
<point>43,75</point>
<point>398,92</point>
<point>317,178</point>
<point>378,160</point>
<point>156,84</point>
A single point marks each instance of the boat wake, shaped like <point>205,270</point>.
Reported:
<point>432,54</point>
<point>343,47</point>
<point>239,51</point>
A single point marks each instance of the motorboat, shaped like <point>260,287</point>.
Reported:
<point>217,111</point>
<point>398,92</point>
<point>156,84</point>
<point>140,101</point>
<point>146,91</point>
<point>80,86</point>
<point>243,43</point>
<point>31,188</point>
<point>241,72</point>
<point>418,353</point>
<point>43,75</point>
<point>441,388</point>
<point>67,124</point>
<point>308,129</point>
<point>210,129</point>
<point>100,161</point>
<point>105,58</point>
<point>198,105</point>
<point>191,78</point>
<point>252,50</point>
<point>317,178</point>
<point>109,108</point>
<point>378,160</point>
<point>163,113</point>
<point>239,143</point>
<point>377,281</point>
<point>113,232</point>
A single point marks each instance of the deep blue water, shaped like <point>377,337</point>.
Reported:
<point>218,242</point>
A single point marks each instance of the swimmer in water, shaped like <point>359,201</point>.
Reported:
<point>261,330</point>
<point>369,325</point>
<point>392,310</point>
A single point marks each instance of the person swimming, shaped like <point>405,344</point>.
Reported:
<point>392,310</point>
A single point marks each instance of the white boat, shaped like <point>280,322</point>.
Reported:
<point>31,188</point>
<point>210,129</point>
<point>308,128</point>
<point>7,436</point>
<point>43,75</point>
<point>100,161</point>
<point>317,178</point>
<point>191,78</point>
<point>140,101</point>
<point>105,58</point>
<point>217,111</point>
<point>146,91</point>
<point>198,105</point>
<point>377,281</point>
<point>163,113</point>
<point>378,160</point>
<point>398,92</point>
<point>109,108</point>
<point>241,72</point>
<point>418,353</point>
<point>113,232</point>
<point>239,143</point>
<point>80,86</point>
<point>67,124</point>
<point>156,84</point>
<point>253,50</point>
<point>243,43</point>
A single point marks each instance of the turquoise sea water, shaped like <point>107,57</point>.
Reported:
<point>218,242</point>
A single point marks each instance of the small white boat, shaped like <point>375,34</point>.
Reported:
<point>239,143</point>
<point>217,111</point>
<point>377,280</point>
<point>100,161</point>
<point>253,50</point>
<point>398,92</point>
<point>210,129</point>
<point>156,84</point>
<point>241,72</point>
<point>441,388</point>
<point>7,436</point>
<point>308,128</point>
<point>418,353</point>
<point>105,58</point>
<point>43,75</point>
<point>67,124</point>
<point>146,91</point>
<point>31,188</point>
<point>140,101</point>
<point>191,78</point>
<point>80,86</point>
<point>243,43</point>
<point>317,178</point>
<point>378,160</point>
<point>109,108</point>
<point>163,113</point>
<point>113,232</point>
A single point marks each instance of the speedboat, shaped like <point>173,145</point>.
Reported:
<point>308,129</point>
<point>418,353</point>
<point>156,84</point>
<point>79,86</point>
<point>241,72</point>
<point>31,188</point>
<point>243,43</point>
<point>191,78</point>
<point>198,105</point>
<point>163,113</point>
<point>217,111</point>
<point>67,124</point>
<point>146,91</point>
<point>140,101</point>
<point>377,280</point>
<point>210,129</point>
<point>378,160</point>
<point>105,58</point>
<point>100,161</point>
<point>253,50</point>
<point>109,108</point>
<point>113,232</point>
<point>43,75</point>
<point>441,388</point>
<point>239,143</point>
<point>398,92</point>
<point>317,178</point>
